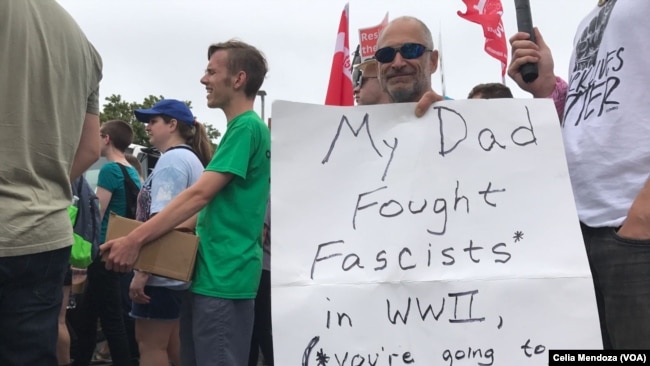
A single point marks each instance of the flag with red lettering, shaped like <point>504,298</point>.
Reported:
<point>368,39</point>
<point>488,14</point>
<point>339,90</point>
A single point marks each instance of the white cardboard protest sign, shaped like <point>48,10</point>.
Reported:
<point>450,239</point>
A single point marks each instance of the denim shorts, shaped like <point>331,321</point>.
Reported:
<point>165,304</point>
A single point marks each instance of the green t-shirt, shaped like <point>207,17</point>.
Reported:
<point>111,179</point>
<point>229,261</point>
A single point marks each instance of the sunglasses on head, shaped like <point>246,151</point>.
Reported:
<point>408,51</point>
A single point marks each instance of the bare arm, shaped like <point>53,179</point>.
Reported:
<point>104,196</point>
<point>89,147</point>
<point>123,252</point>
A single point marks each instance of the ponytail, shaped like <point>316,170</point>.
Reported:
<point>201,143</point>
<point>197,137</point>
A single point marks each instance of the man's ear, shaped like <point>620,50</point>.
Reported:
<point>239,80</point>
<point>434,61</point>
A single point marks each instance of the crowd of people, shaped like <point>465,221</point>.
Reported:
<point>222,317</point>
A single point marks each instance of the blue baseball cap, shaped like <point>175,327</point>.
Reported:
<point>168,107</point>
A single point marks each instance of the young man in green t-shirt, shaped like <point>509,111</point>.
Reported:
<point>231,196</point>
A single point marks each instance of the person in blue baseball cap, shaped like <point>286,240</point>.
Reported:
<point>156,300</point>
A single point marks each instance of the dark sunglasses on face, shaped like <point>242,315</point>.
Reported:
<point>359,79</point>
<point>363,79</point>
<point>408,51</point>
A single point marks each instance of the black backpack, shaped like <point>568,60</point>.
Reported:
<point>131,192</point>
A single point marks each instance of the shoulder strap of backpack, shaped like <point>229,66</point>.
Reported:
<point>124,172</point>
<point>130,192</point>
<point>187,148</point>
<point>128,181</point>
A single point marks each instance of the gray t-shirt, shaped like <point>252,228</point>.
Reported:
<point>176,170</point>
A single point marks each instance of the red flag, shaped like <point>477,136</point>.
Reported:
<point>488,14</point>
<point>339,90</point>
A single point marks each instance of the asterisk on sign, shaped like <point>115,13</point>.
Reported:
<point>322,358</point>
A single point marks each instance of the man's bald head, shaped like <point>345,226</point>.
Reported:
<point>414,22</point>
<point>407,75</point>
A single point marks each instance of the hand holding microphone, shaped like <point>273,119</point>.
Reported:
<point>528,71</point>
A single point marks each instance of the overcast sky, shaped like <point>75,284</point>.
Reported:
<point>159,47</point>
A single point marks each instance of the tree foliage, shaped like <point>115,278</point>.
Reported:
<point>116,108</point>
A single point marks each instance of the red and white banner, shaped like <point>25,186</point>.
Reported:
<point>368,39</point>
<point>488,14</point>
<point>339,89</point>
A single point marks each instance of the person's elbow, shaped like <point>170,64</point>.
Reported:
<point>84,158</point>
<point>92,153</point>
<point>202,198</point>
<point>90,143</point>
<point>88,153</point>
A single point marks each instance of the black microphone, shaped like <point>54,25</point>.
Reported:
<point>525,24</point>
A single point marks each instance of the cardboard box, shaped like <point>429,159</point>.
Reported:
<point>172,255</point>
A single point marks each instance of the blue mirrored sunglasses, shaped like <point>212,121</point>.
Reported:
<point>408,51</point>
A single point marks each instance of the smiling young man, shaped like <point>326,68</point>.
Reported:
<point>406,59</point>
<point>230,196</point>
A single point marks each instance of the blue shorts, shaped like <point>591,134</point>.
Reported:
<point>165,304</point>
